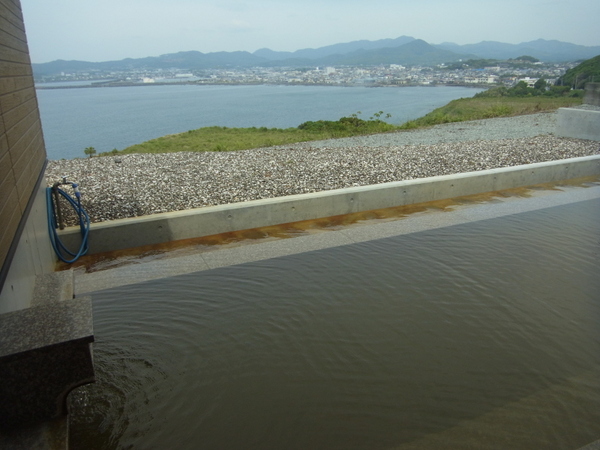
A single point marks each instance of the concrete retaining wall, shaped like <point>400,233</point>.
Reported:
<point>592,94</point>
<point>578,123</point>
<point>166,227</point>
<point>581,123</point>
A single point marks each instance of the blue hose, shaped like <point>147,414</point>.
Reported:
<point>84,224</point>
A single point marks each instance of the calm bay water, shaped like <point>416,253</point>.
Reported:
<point>482,335</point>
<point>108,118</point>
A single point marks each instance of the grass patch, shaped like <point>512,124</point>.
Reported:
<point>487,108</point>
<point>221,139</point>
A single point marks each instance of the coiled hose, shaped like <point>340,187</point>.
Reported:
<point>55,221</point>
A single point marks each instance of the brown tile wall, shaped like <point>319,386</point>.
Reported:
<point>22,152</point>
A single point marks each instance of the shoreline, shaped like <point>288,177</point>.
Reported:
<point>195,83</point>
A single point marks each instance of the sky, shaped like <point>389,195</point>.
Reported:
<point>106,30</point>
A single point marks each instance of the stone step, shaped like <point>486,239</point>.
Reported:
<point>53,287</point>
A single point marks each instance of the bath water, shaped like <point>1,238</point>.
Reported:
<point>481,335</point>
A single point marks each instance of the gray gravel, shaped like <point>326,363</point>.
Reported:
<point>142,184</point>
<point>488,129</point>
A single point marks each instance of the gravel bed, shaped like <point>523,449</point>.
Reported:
<point>142,184</point>
<point>488,129</point>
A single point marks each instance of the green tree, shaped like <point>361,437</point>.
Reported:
<point>541,85</point>
<point>558,91</point>
<point>527,58</point>
<point>90,151</point>
<point>520,90</point>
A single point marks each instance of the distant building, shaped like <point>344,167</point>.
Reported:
<point>530,81</point>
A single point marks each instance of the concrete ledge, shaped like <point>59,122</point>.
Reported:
<point>167,227</point>
<point>592,94</point>
<point>578,123</point>
<point>53,287</point>
<point>44,354</point>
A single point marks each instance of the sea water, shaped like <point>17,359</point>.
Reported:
<point>117,117</point>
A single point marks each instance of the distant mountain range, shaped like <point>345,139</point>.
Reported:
<point>404,50</point>
<point>547,51</point>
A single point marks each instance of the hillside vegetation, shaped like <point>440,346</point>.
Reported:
<point>222,139</point>
<point>577,77</point>
<point>487,108</point>
<point>502,102</point>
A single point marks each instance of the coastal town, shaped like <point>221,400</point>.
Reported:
<point>468,73</point>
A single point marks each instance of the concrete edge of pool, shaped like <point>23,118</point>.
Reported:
<point>145,270</point>
<point>167,227</point>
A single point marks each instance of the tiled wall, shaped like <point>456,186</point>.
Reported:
<point>22,152</point>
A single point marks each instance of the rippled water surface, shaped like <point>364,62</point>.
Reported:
<point>483,335</point>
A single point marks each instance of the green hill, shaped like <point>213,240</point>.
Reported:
<point>577,77</point>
